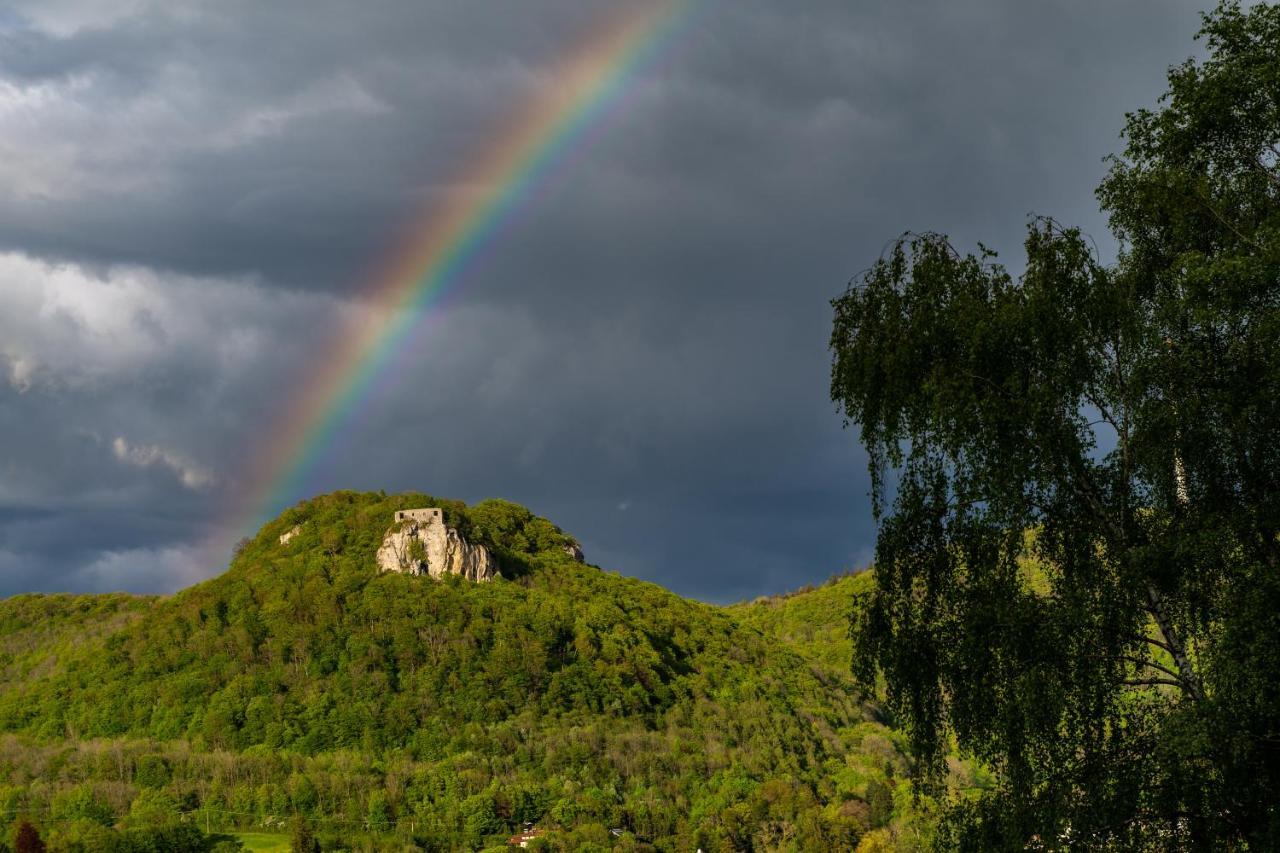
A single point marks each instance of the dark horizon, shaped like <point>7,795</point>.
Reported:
<point>196,195</point>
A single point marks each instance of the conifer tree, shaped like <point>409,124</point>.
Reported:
<point>26,839</point>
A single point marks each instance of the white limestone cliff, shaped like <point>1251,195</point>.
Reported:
<point>420,543</point>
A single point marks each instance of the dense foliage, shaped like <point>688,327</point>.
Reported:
<point>812,621</point>
<point>1077,473</point>
<point>388,709</point>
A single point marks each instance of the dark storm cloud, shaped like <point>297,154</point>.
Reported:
<point>195,193</point>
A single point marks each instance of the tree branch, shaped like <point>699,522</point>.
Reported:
<point>1102,410</point>
<point>1085,487</point>
<point>1143,662</point>
<point>1153,641</point>
<point>1175,648</point>
<point>1146,682</point>
<point>1208,205</point>
<point>1153,665</point>
<point>1262,167</point>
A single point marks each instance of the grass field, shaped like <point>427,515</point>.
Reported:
<point>264,842</point>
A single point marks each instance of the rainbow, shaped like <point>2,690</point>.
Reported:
<point>440,247</point>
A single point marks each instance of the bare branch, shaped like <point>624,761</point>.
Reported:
<point>1102,410</point>
<point>1147,682</point>
<point>1208,205</point>
<point>1153,641</point>
<point>1143,662</point>
<point>1153,665</point>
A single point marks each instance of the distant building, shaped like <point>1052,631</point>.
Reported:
<point>522,839</point>
<point>422,516</point>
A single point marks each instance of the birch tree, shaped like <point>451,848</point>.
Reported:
<point>1076,474</point>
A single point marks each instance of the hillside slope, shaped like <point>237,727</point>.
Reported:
<point>446,713</point>
<point>813,622</point>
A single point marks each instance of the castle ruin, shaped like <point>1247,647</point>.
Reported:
<point>420,543</point>
<point>426,515</point>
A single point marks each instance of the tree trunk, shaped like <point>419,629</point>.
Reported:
<point>1190,682</point>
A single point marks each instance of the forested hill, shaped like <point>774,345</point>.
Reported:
<point>559,694</point>
<point>813,622</point>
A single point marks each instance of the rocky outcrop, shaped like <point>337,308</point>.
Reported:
<point>290,533</point>
<point>426,546</point>
<point>574,550</point>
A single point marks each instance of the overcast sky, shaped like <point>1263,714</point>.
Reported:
<point>192,196</point>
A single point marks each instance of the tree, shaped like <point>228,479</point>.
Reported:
<point>480,818</point>
<point>378,817</point>
<point>26,839</point>
<point>302,839</point>
<point>1076,473</point>
<point>880,799</point>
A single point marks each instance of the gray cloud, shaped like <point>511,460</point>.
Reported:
<point>197,193</point>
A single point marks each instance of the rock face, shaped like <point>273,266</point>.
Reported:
<point>575,551</point>
<point>290,533</point>
<point>419,543</point>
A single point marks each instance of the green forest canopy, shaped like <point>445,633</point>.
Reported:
<point>394,708</point>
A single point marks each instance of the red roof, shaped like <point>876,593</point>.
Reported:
<point>526,836</point>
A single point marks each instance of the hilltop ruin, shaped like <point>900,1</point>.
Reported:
<point>420,543</point>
